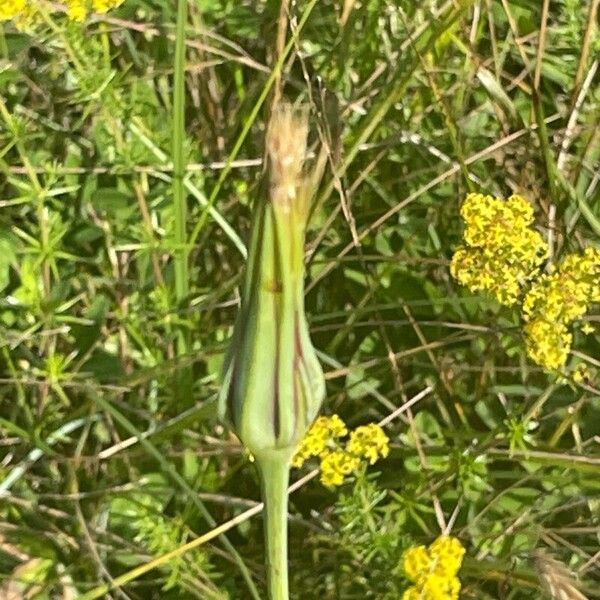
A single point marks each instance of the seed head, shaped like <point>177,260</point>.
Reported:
<point>286,151</point>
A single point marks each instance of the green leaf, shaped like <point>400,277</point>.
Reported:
<point>113,202</point>
<point>496,91</point>
<point>8,245</point>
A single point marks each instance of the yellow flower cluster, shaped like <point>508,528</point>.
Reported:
<point>11,8</point>
<point>434,570</point>
<point>554,301</point>
<point>78,9</point>
<point>366,443</point>
<point>501,251</point>
<point>24,11</point>
<point>336,465</point>
<point>502,254</point>
<point>315,442</point>
<point>103,6</point>
<point>20,10</point>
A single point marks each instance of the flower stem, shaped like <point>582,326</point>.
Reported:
<point>179,195</point>
<point>274,470</point>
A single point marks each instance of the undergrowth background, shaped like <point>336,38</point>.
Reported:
<point>110,453</point>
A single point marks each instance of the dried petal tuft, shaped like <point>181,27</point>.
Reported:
<point>286,150</point>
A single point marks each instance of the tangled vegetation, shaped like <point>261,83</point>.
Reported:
<point>452,295</point>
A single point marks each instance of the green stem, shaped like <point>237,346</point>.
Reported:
<point>274,470</point>
<point>3,44</point>
<point>542,132</point>
<point>179,194</point>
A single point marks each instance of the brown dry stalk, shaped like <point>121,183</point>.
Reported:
<point>556,577</point>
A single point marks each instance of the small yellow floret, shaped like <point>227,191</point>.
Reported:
<point>77,10</point>
<point>103,6</point>
<point>412,593</point>
<point>24,12</point>
<point>581,373</point>
<point>370,442</point>
<point>9,9</point>
<point>587,328</point>
<point>547,344</point>
<point>434,570</point>
<point>336,466</point>
<point>416,562</point>
<point>447,553</point>
<point>436,587</point>
<point>323,431</point>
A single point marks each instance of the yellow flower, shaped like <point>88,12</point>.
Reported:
<point>437,587</point>
<point>77,10</point>
<point>587,328</point>
<point>323,431</point>
<point>334,426</point>
<point>501,251</point>
<point>366,443</point>
<point>9,9</point>
<point>24,12</point>
<point>370,442</point>
<point>336,466</point>
<point>416,562</point>
<point>103,6</point>
<point>502,254</point>
<point>434,570</point>
<point>548,344</point>
<point>581,373</point>
<point>447,554</point>
<point>554,301</point>
<point>412,593</point>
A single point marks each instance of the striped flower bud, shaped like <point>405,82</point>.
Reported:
<point>273,383</point>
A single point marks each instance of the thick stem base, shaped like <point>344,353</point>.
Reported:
<point>274,470</point>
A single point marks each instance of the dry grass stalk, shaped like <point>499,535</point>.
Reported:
<point>556,578</point>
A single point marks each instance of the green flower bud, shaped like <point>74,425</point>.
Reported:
<point>273,384</point>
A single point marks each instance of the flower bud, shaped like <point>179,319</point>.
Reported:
<point>273,384</point>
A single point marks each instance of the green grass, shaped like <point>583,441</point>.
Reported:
<point>125,197</point>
